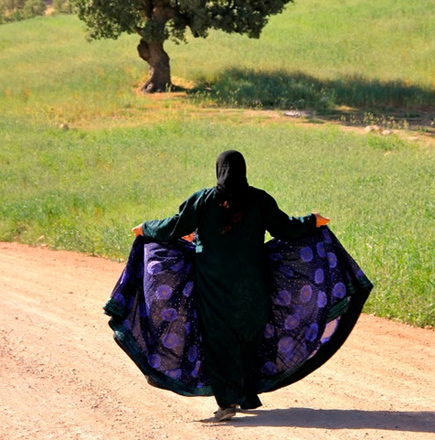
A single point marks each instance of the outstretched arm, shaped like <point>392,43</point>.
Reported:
<point>281,226</point>
<point>177,226</point>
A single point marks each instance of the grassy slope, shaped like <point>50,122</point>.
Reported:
<point>128,157</point>
<point>362,54</point>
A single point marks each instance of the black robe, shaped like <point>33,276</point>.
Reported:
<point>262,317</point>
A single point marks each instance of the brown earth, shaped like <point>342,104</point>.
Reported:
<point>64,378</point>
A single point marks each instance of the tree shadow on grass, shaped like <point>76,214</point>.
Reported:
<point>353,100</point>
<point>407,421</point>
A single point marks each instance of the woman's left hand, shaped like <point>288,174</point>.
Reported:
<point>320,220</point>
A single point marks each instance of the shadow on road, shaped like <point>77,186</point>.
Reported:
<point>337,419</point>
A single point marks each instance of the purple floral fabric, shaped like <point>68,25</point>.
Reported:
<point>313,286</point>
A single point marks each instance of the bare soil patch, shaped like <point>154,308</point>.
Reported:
<point>63,377</point>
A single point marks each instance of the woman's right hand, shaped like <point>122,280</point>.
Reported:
<point>137,230</point>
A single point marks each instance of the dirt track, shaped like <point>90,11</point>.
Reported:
<point>63,377</point>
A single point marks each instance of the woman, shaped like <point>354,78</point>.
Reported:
<point>231,274</point>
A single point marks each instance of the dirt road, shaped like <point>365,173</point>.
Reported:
<point>62,377</point>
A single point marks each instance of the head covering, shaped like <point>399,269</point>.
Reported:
<point>231,175</point>
<point>231,187</point>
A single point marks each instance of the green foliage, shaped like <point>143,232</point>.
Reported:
<point>63,6</point>
<point>154,31</point>
<point>11,10</point>
<point>110,19</point>
<point>13,5</point>
<point>33,8</point>
<point>16,10</point>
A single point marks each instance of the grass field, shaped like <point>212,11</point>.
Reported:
<point>127,158</point>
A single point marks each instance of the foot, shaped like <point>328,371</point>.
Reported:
<point>224,413</point>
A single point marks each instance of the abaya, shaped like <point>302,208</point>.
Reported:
<point>231,316</point>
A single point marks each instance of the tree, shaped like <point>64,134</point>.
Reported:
<point>16,10</point>
<point>62,6</point>
<point>33,8</point>
<point>157,20</point>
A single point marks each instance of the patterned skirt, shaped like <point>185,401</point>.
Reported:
<point>317,289</point>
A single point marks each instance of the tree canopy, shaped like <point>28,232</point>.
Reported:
<point>157,20</point>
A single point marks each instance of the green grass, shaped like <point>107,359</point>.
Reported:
<point>84,190</point>
<point>364,55</point>
<point>127,158</point>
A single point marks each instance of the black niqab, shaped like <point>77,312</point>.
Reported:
<point>231,177</point>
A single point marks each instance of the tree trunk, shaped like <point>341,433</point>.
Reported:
<point>159,78</point>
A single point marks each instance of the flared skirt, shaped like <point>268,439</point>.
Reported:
<point>317,290</point>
